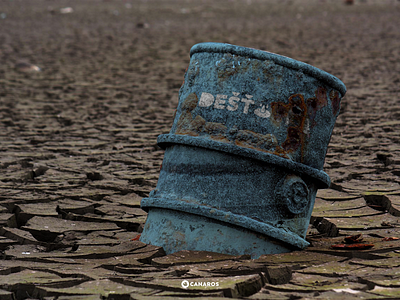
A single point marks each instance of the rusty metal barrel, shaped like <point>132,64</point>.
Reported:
<point>244,157</point>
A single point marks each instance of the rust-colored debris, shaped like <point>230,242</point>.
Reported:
<point>377,207</point>
<point>392,238</point>
<point>353,242</point>
<point>136,238</point>
<point>352,246</point>
<point>353,239</point>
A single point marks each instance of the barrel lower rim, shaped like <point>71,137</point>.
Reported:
<point>226,217</point>
<point>284,61</point>
<point>323,180</point>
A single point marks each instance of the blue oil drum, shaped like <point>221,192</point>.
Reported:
<point>244,157</point>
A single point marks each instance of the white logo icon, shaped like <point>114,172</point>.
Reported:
<point>185,284</point>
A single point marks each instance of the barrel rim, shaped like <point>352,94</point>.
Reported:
<point>284,61</point>
<point>322,179</point>
<point>281,234</point>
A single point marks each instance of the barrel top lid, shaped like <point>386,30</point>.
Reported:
<point>284,61</point>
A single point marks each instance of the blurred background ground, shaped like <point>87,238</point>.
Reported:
<point>78,141</point>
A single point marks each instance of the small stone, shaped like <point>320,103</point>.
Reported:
<point>26,67</point>
<point>94,176</point>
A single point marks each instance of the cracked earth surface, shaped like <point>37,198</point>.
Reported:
<point>78,147</point>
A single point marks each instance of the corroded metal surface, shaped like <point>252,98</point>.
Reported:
<point>258,100</point>
<point>245,151</point>
<point>246,148</point>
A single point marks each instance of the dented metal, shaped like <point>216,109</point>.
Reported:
<point>244,154</point>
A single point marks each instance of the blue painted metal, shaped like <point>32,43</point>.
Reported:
<point>244,156</point>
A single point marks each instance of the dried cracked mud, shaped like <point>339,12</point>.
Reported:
<point>87,86</point>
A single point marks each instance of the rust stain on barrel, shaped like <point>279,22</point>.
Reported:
<point>186,118</point>
<point>197,124</point>
<point>187,125</point>
<point>215,128</point>
<point>294,114</point>
<point>217,131</point>
<point>279,112</point>
<point>335,99</point>
<point>316,103</point>
<point>297,114</point>
<point>248,138</point>
<point>230,65</point>
<point>190,102</point>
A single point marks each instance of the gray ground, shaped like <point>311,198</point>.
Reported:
<point>78,146</point>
